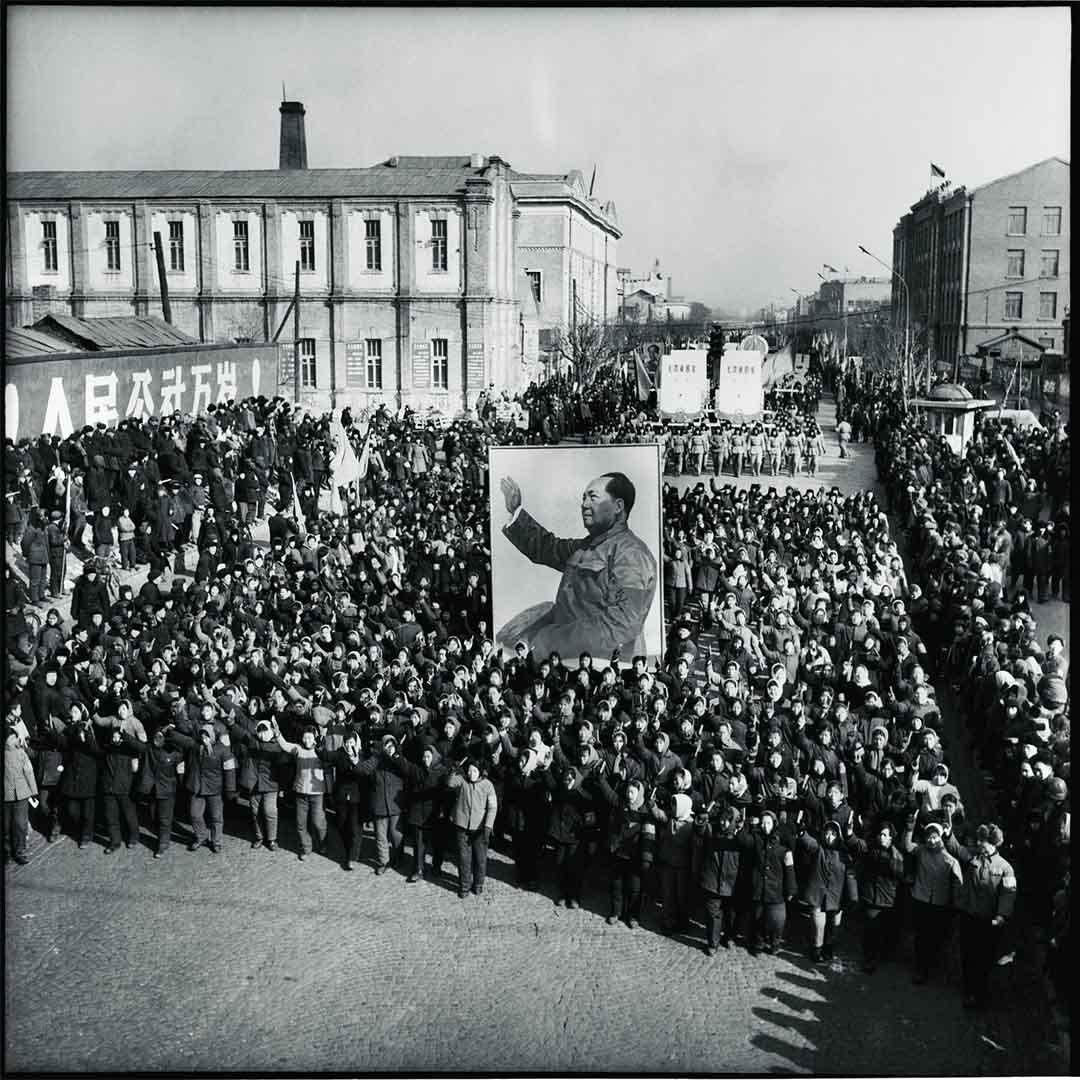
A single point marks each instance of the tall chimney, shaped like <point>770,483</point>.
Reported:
<point>293,140</point>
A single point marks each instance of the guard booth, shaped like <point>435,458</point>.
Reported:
<point>950,411</point>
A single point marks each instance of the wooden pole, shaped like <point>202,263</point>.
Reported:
<point>285,319</point>
<point>296,336</point>
<point>163,285</point>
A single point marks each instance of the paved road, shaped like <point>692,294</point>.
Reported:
<point>252,961</point>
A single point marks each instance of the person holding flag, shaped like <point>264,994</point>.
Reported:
<point>345,467</point>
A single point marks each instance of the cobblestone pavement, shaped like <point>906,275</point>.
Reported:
<point>252,961</point>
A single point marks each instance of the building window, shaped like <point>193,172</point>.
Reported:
<point>373,242</point>
<point>439,261</point>
<point>1014,268</point>
<point>176,245</point>
<point>241,251</point>
<point>1046,342</point>
<point>48,247</point>
<point>1048,267</point>
<point>1048,305</point>
<point>1017,220</point>
<point>1051,221</point>
<point>440,363</point>
<point>307,363</point>
<point>536,280</point>
<point>373,347</point>
<point>112,245</point>
<point>1014,305</point>
<point>307,245</point>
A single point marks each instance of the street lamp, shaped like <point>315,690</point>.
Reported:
<point>907,314</point>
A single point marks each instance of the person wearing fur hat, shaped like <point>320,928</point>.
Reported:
<point>156,780</point>
<point>472,813</point>
<point>121,765</point>
<point>986,901</point>
<point>770,868</point>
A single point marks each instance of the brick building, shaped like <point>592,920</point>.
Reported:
<point>417,275</point>
<point>985,261</point>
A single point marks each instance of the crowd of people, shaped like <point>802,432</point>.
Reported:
<point>796,765</point>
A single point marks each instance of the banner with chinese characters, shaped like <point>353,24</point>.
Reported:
<point>355,364</point>
<point>421,364</point>
<point>684,382</point>
<point>56,396</point>
<point>474,365</point>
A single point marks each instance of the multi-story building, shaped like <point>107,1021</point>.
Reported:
<point>650,298</point>
<point>421,279</point>
<point>988,261</point>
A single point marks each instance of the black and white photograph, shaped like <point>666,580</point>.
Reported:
<point>537,540</point>
<point>576,552</point>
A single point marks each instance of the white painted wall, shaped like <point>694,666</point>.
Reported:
<point>35,250</point>
<point>101,280</point>
<point>228,279</point>
<point>359,276</point>
<point>290,248</point>
<point>188,278</point>
<point>427,280</point>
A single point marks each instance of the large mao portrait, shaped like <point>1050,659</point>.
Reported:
<point>575,550</point>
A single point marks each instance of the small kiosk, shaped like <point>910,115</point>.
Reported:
<point>950,411</point>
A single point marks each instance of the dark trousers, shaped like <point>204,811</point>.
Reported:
<point>83,814</point>
<point>162,811</point>
<point>719,918</point>
<point>767,922</point>
<point>127,554</point>
<point>56,575</point>
<point>388,839</point>
<point>51,810</point>
<point>527,854</point>
<point>351,828</point>
<point>421,837</point>
<point>571,870</point>
<point>879,933</point>
<point>472,850</point>
<point>37,582</point>
<point>207,808</point>
<point>932,925</point>
<point>625,889</point>
<point>675,890</point>
<point>120,808</point>
<point>16,826</point>
<point>978,950</point>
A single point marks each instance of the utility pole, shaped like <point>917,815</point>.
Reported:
<point>163,285</point>
<point>296,336</point>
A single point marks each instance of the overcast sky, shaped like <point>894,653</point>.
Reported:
<point>741,148</point>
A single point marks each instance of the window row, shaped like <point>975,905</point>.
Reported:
<point>1017,221</point>
<point>373,355</point>
<point>242,246</point>
<point>1048,263</point>
<point>1014,305</point>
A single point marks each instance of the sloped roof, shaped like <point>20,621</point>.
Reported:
<point>24,341</point>
<point>1010,335</point>
<point>124,332</point>
<point>1019,172</point>
<point>419,176</point>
